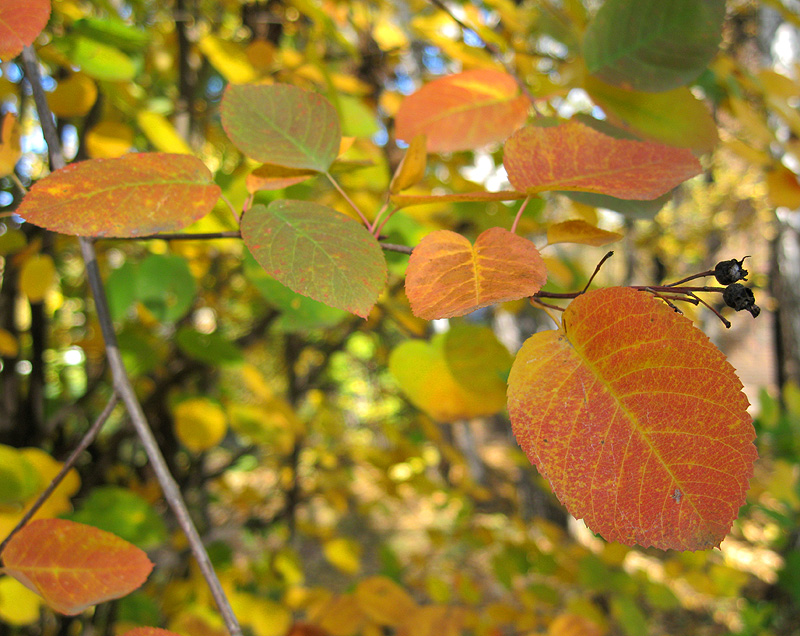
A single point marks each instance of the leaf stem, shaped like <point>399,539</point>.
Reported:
<point>121,381</point>
<point>349,200</point>
<point>86,440</point>
<point>227,201</point>
<point>519,214</point>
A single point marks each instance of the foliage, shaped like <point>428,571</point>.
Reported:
<point>265,331</point>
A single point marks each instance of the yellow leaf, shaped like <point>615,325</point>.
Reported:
<point>340,616</point>
<point>161,133</point>
<point>343,553</point>
<point>388,35</point>
<point>229,59</point>
<point>778,85</point>
<point>37,276</point>
<point>200,424</point>
<point>109,139</point>
<point>18,605</point>
<point>412,168</point>
<point>73,96</point>
<point>576,231</point>
<point>263,616</point>
<point>384,601</point>
<point>783,188</point>
<point>9,346</point>
<point>573,625</point>
<point>260,54</point>
<point>10,150</point>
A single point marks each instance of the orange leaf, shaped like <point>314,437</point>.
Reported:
<point>637,420</point>
<point>447,277</point>
<point>577,231</point>
<point>20,22</point>
<point>74,566</point>
<point>573,156</point>
<point>412,167</point>
<point>10,150</point>
<point>463,111</point>
<point>783,187</point>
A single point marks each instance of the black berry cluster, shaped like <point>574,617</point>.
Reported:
<point>740,297</point>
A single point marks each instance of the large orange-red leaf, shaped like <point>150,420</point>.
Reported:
<point>133,195</point>
<point>463,111</point>
<point>74,566</point>
<point>637,420</point>
<point>20,22</point>
<point>573,156</point>
<point>449,277</point>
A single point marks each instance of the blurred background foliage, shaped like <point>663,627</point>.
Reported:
<point>360,477</point>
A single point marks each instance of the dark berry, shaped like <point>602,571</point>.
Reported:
<point>740,297</point>
<point>727,272</point>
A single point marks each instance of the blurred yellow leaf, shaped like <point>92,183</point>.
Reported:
<point>261,55</point>
<point>18,605</point>
<point>433,620</point>
<point>161,133</point>
<point>109,139</point>
<point>340,616</point>
<point>229,58</point>
<point>263,616</point>
<point>573,625</point>
<point>37,276</point>
<point>73,96</point>
<point>9,346</point>
<point>197,620</point>
<point>783,188</point>
<point>412,167</point>
<point>200,424</point>
<point>577,231</point>
<point>384,601</point>
<point>778,85</point>
<point>344,554</point>
<point>10,150</point>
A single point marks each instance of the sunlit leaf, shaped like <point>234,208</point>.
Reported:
<point>783,187</point>
<point>270,177</point>
<point>98,59</point>
<point>340,616</point>
<point>161,133</point>
<point>412,167</point>
<point>20,22</point>
<point>134,195</point>
<point>318,252</point>
<point>228,58</point>
<point>109,139</point>
<point>384,601</point>
<point>37,277</point>
<point>18,605</point>
<point>675,117</point>
<point>651,45</point>
<point>200,424</point>
<point>343,553</point>
<point>577,231</point>
<point>263,616</point>
<point>282,125</point>
<point>449,277</point>
<point>19,479</point>
<point>573,156</point>
<point>463,111</point>
<point>113,31</point>
<point>9,345</point>
<point>637,421</point>
<point>74,566</point>
<point>10,150</point>
<point>74,96</point>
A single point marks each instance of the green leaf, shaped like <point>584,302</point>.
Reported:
<point>113,32</point>
<point>652,45</point>
<point>121,290</point>
<point>97,59</point>
<point>282,125</point>
<point>133,195</point>
<point>165,286</point>
<point>477,360</point>
<point>211,348</point>
<point>318,252</point>
<point>19,479</point>
<point>124,513</point>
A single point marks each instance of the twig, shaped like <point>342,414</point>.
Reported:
<point>597,269</point>
<point>86,440</point>
<point>176,236</point>
<point>519,214</point>
<point>122,383</point>
<point>710,272</point>
<point>391,247</point>
<point>724,320</point>
<point>232,209</point>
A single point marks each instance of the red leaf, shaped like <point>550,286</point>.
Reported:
<point>637,420</point>
<point>74,566</point>
<point>447,277</point>
<point>463,111</point>
<point>20,22</point>
<point>133,195</point>
<point>573,156</point>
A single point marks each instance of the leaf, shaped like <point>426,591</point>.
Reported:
<point>463,111</point>
<point>98,59</point>
<point>109,139</point>
<point>9,345</point>
<point>161,133</point>
<point>384,601</point>
<point>344,554</point>
<point>783,187</point>
<point>477,360</point>
<point>149,631</point>
<point>318,252</point>
<point>651,45</point>
<point>113,31</point>
<point>674,117</point>
<point>270,177</point>
<point>632,208</point>
<point>200,424</point>
<point>134,195</point>
<point>212,348</point>
<point>228,58</point>
<point>18,605</point>
<point>165,286</point>
<point>637,420</point>
<point>10,149</point>
<point>124,513</point>
<point>74,96</point>
<point>20,22</point>
<point>577,231</point>
<point>19,479</point>
<point>282,125</point>
<point>573,156</point>
<point>37,277</point>
<point>422,372</point>
<point>573,625</point>
<point>412,167</point>
<point>449,277</point>
<point>74,566</point>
